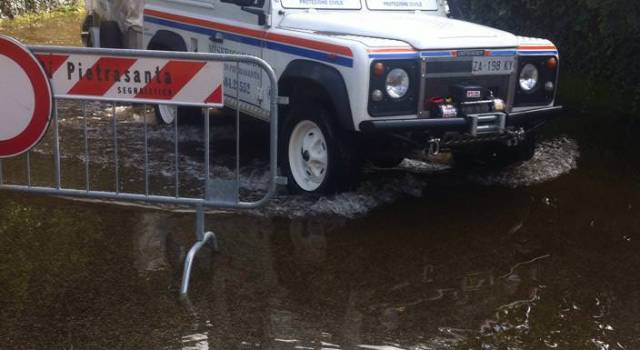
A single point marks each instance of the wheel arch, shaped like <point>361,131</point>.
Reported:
<point>303,78</point>
<point>167,40</point>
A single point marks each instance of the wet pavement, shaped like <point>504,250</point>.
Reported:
<point>542,255</point>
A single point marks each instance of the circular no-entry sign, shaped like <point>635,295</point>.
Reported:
<point>26,100</point>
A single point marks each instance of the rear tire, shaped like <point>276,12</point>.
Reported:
<point>166,114</point>
<point>110,35</point>
<point>315,155</point>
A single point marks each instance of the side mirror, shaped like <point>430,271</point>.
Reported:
<point>456,9</point>
<point>251,6</point>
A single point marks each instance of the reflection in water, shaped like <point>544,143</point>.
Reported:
<point>446,265</point>
<point>195,342</point>
<point>410,277</point>
<point>150,243</point>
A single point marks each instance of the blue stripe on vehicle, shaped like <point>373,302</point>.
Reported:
<point>204,31</point>
<point>293,50</point>
<point>503,53</point>
<point>392,56</point>
<point>436,54</point>
<point>538,53</point>
<point>320,56</point>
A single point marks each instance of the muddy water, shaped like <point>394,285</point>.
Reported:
<point>542,255</point>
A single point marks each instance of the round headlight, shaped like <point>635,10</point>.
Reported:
<point>529,76</point>
<point>397,83</point>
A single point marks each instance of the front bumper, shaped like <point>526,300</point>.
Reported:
<point>464,125</point>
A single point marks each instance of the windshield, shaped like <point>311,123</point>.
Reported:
<point>386,5</point>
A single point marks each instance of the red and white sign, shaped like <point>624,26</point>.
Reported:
<point>135,79</point>
<point>26,100</point>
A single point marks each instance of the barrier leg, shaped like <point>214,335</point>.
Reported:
<point>203,238</point>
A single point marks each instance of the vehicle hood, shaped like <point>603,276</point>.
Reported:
<point>422,32</point>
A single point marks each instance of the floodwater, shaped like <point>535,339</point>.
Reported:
<point>542,255</point>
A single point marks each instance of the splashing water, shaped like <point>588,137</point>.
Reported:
<point>552,159</point>
<point>410,179</point>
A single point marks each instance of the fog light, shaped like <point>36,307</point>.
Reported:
<point>498,105</point>
<point>377,96</point>
<point>549,86</point>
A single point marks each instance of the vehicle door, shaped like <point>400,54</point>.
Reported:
<point>238,31</point>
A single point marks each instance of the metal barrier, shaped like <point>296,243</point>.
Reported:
<point>211,192</point>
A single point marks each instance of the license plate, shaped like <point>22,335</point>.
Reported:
<point>492,65</point>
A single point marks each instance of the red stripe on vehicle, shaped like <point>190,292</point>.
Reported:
<point>205,23</point>
<point>180,73</point>
<point>215,97</point>
<point>93,82</point>
<point>311,44</point>
<point>316,45</point>
<point>51,63</point>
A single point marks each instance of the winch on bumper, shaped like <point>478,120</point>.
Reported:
<point>470,114</point>
<point>469,125</point>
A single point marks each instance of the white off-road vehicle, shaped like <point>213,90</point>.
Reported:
<point>367,79</point>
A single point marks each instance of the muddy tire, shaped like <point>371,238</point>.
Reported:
<point>316,156</point>
<point>523,152</point>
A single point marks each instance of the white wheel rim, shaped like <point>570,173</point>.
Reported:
<point>168,113</point>
<point>308,155</point>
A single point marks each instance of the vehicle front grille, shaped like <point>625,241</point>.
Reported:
<point>441,87</point>
<point>440,74</point>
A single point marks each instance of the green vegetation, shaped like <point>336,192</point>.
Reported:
<point>598,41</point>
<point>58,27</point>
<point>12,8</point>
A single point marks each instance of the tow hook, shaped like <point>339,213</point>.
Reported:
<point>518,136</point>
<point>433,146</point>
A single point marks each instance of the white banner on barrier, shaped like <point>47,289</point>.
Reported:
<point>137,80</point>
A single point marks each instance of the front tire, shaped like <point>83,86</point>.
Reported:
<point>497,155</point>
<point>316,156</point>
<point>387,162</point>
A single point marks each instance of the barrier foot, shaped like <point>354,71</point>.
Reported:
<point>208,237</point>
